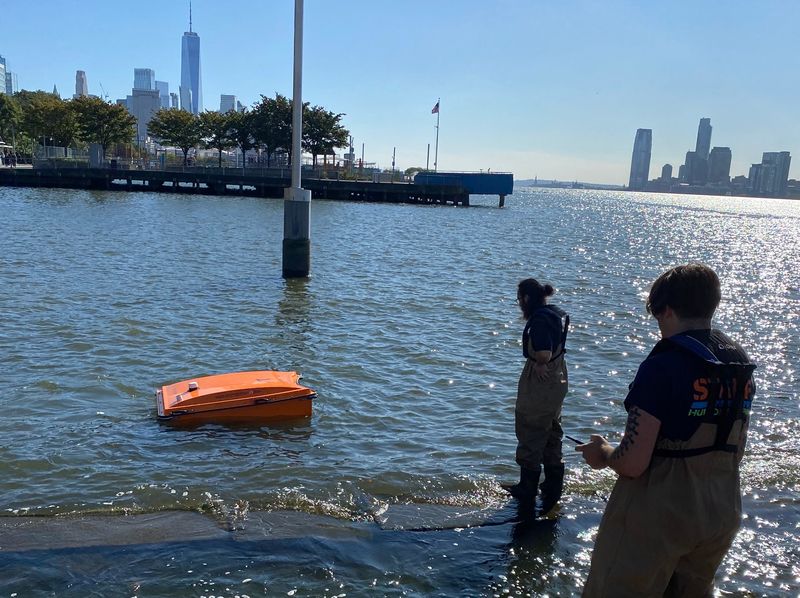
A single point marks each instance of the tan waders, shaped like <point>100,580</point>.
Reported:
<point>666,532</point>
<point>538,428</point>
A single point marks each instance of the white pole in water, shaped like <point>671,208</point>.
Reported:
<point>297,201</point>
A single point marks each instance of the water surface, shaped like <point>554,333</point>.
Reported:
<point>409,332</point>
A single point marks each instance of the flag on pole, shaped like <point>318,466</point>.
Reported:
<point>435,108</point>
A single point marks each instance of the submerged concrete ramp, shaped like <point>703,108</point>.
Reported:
<point>20,534</point>
<point>47,533</point>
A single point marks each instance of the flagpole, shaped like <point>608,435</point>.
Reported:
<point>436,152</point>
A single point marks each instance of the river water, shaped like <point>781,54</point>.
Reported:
<point>409,332</point>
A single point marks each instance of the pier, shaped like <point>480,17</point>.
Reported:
<point>433,188</point>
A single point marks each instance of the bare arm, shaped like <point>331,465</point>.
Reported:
<point>632,456</point>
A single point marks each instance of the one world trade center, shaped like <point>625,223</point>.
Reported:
<point>191,88</point>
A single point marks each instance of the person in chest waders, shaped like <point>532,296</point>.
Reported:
<point>676,506</point>
<point>540,395</point>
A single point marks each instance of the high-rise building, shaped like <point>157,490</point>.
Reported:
<point>143,104</point>
<point>191,88</point>
<point>227,103</point>
<point>81,86</point>
<point>640,161</point>
<point>696,169</point>
<point>144,79</point>
<point>173,100</point>
<point>703,138</point>
<point>771,177</point>
<point>719,165</point>
<point>11,83</point>
<point>163,92</point>
<point>8,80</point>
<point>666,172</point>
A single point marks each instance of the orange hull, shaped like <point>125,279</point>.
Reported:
<point>235,397</point>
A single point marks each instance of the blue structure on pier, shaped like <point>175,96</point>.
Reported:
<point>475,183</point>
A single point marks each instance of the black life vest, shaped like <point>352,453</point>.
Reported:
<point>551,312</point>
<point>728,371</point>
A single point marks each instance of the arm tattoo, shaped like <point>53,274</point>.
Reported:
<point>629,438</point>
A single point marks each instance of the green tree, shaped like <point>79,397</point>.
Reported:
<point>242,132</point>
<point>103,123</point>
<point>179,128</point>
<point>48,116</point>
<point>272,124</point>
<point>322,131</point>
<point>414,170</point>
<point>10,116</point>
<point>217,131</point>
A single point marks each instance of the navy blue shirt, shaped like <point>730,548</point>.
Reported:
<point>672,384</point>
<point>545,329</point>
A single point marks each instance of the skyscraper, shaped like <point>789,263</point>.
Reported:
<point>191,87</point>
<point>719,165</point>
<point>640,161</point>
<point>144,79</point>
<point>163,92</point>
<point>227,103</point>
<point>772,175</point>
<point>8,80</point>
<point>703,138</point>
<point>173,100</point>
<point>81,86</point>
<point>696,169</point>
<point>143,104</point>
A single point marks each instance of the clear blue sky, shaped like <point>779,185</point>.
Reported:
<point>539,88</point>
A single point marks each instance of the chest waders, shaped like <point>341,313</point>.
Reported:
<point>537,419</point>
<point>666,532</point>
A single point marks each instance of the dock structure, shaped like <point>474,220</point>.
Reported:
<point>216,182</point>
<point>445,189</point>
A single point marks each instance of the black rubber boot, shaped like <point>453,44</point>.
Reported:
<point>528,485</point>
<point>552,487</point>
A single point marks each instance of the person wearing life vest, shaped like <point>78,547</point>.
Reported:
<point>540,396</point>
<point>676,506</point>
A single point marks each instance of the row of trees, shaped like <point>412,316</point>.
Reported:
<point>29,116</point>
<point>267,126</point>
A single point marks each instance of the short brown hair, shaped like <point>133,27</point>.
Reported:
<point>691,290</point>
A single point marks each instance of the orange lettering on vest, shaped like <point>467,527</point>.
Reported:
<point>700,389</point>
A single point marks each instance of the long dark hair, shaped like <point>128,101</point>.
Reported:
<point>536,293</point>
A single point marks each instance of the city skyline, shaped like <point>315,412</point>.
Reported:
<point>539,90</point>
<point>708,171</point>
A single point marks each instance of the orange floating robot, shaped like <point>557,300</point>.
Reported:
<point>236,397</point>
